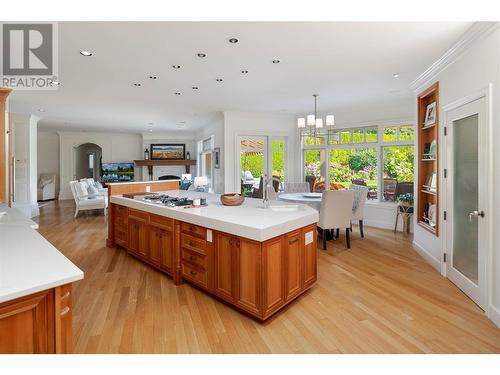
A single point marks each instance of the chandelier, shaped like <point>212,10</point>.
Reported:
<point>312,125</point>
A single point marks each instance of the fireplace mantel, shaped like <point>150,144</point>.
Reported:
<point>152,163</point>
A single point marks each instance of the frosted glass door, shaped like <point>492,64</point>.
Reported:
<point>466,197</point>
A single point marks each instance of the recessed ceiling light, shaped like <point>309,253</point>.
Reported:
<point>195,87</point>
<point>176,66</point>
<point>276,61</point>
<point>86,53</point>
<point>395,75</point>
<point>233,40</point>
<point>153,77</point>
<point>201,54</point>
<point>244,71</point>
<point>177,93</point>
<point>219,79</point>
<point>137,85</point>
<point>41,110</point>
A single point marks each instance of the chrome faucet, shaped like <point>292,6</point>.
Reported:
<point>265,182</point>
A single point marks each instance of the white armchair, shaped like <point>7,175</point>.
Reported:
<point>358,205</point>
<point>86,201</point>
<point>91,182</point>
<point>335,212</point>
<point>46,186</point>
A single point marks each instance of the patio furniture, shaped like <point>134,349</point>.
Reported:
<point>336,212</point>
<point>358,205</point>
<point>320,186</point>
<point>259,192</point>
<point>358,182</point>
<point>389,190</point>
<point>297,187</point>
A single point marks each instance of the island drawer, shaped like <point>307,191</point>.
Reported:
<point>136,214</point>
<point>193,244</point>
<point>194,230</point>
<point>194,258</point>
<point>194,274</point>
<point>161,221</point>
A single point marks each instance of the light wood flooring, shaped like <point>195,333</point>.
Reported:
<point>378,297</point>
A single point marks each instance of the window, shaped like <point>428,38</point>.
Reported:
<point>398,167</point>
<point>278,158</point>
<point>360,156</point>
<point>315,166</point>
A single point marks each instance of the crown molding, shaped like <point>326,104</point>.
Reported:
<point>476,32</point>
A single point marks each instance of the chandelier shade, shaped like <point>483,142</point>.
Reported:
<point>315,124</point>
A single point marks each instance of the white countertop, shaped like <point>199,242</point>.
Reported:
<point>28,262</point>
<point>250,220</point>
<point>14,217</point>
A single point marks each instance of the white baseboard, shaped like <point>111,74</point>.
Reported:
<point>427,256</point>
<point>494,315</point>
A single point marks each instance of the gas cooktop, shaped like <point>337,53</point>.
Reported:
<point>166,200</point>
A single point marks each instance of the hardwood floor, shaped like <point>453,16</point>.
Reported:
<point>378,297</point>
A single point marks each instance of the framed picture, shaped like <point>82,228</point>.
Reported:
<point>166,151</point>
<point>217,157</point>
<point>430,114</point>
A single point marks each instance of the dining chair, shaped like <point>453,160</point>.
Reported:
<point>336,212</point>
<point>297,187</point>
<point>358,205</point>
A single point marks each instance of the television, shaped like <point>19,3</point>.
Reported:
<point>117,172</point>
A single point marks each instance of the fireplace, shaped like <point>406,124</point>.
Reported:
<point>168,177</point>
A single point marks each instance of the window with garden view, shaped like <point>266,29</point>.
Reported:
<point>378,157</point>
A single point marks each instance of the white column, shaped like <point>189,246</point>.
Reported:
<point>24,150</point>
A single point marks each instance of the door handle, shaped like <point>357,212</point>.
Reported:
<point>475,214</point>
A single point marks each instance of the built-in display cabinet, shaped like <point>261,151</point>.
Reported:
<point>428,159</point>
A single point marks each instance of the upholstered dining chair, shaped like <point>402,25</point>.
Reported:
<point>336,212</point>
<point>358,205</point>
<point>297,187</point>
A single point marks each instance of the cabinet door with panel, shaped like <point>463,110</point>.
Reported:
<point>166,250</point>
<point>138,237</point>
<point>27,324</point>
<point>293,266</point>
<point>273,274</point>
<point>224,258</point>
<point>154,245</point>
<point>248,274</point>
<point>309,264</point>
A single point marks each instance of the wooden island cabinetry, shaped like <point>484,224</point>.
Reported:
<point>258,278</point>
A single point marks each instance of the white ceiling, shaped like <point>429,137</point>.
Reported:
<point>349,64</point>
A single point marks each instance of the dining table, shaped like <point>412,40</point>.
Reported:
<point>311,199</point>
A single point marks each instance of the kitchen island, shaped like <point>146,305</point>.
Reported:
<point>253,258</point>
<point>35,289</point>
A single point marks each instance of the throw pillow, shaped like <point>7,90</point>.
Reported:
<point>81,189</point>
<point>98,185</point>
<point>92,190</point>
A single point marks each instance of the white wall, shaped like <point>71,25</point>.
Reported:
<point>215,127</point>
<point>116,147</point>
<point>478,67</point>
<point>48,154</point>
<point>246,123</point>
<point>186,138</point>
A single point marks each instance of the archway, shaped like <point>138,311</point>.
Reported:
<point>88,157</point>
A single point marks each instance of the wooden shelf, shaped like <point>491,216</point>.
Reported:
<point>152,163</point>
<point>428,167</point>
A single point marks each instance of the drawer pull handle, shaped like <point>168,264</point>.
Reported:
<point>191,243</point>
<point>66,295</point>
<point>192,257</point>
<point>194,273</point>
<point>65,311</point>
<point>293,241</point>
